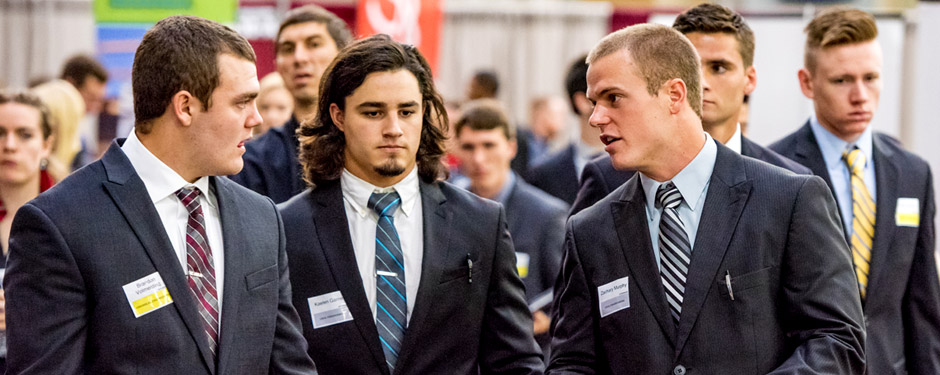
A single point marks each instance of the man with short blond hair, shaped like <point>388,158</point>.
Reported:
<point>885,193</point>
<point>725,45</point>
<point>703,252</point>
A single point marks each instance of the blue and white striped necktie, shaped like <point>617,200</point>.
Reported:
<point>391,298</point>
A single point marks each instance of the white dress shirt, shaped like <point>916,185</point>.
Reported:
<point>692,182</point>
<point>162,182</point>
<point>409,223</point>
<point>735,143</point>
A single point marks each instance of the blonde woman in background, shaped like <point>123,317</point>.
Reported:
<point>66,108</point>
<point>275,103</point>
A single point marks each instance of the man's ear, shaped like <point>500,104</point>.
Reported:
<point>513,147</point>
<point>675,91</point>
<point>183,104</point>
<point>806,82</point>
<point>338,117</point>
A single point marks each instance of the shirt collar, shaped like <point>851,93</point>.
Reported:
<point>691,180</point>
<point>160,180</point>
<point>735,143</point>
<point>832,146</point>
<point>357,191</point>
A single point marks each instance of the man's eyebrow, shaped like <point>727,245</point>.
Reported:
<point>248,96</point>
<point>371,105</point>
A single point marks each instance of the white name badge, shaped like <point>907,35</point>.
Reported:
<point>147,294</point>
<point>614,296</point>
<point>328,309</point>
<point>522,264</point>
<point>907,214</point>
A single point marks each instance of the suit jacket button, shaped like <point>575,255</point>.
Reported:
<point>679,370</point>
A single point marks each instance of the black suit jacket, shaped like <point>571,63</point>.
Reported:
<point>795,307</point>
<point>902,304</point>
<point>271,165</point>
<point>455,326</point>
<point>556,174</point>
<point>599,177</point>
<point>73,248</point>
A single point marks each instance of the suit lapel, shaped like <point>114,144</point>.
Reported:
<point>727,193</point>
<point>329,217</point>
<point>887,178</point>
<point>437,226</point>
<point>807,153</point>
<point>233,238</point>
<point>630,219</point>
<point>130,196</point>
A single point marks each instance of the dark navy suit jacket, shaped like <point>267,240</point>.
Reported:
<point>457,326</point>
<point>271,167</point>
<point>902,303</point>
<point>73,249</point>
<point>599,177</point>
<point>556,174</point>
<point>794,308</point>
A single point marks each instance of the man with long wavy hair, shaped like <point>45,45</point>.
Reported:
<point>378,222</point>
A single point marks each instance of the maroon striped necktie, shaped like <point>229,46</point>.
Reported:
<point>200,269</point>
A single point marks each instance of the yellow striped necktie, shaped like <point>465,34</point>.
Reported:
<point>863,217</point>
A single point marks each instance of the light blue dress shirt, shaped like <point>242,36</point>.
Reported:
<point>692,182</point>
<point>832,148</point>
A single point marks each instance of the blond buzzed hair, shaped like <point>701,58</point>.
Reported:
<point>661,53</point>
<point>837,26</point>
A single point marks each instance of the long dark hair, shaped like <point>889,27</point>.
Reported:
<point>323,145</point>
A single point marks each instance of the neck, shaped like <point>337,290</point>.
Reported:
<point>722,132</point>
<point>165,145</point>
<point>490,191</point>
<point>590,136</point>
<point>684,146</point>
<point>304,111</point>
<point>15,196</point>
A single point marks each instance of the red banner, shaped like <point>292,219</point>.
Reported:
<point>415,22</point>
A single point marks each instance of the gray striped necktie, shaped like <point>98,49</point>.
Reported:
<point>390,297</point>
<point>674,248</point>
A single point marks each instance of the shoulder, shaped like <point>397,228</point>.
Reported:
<point>553,161</point>
<point>536,200</point>
<point>85,182</point>
<point>772,157</point>
<point>465,202</point>
<point>787,144</point>
<point>297,206</point>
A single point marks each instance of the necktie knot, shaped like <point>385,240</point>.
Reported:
<point>668,195</point>
<point>385,204</point>
<point>187,195</point>
<point>855,160</point>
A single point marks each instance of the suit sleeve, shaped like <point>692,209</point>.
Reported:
<point>507,344</point>
<point>921,303</point>
<point>819,292</point>
<point>289,354</point>
<point>592,189</point>
<point>45,298</point>
<point>572,349</point>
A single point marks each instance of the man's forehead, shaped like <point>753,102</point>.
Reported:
<point>303,30</point>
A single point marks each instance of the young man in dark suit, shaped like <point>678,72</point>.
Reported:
<point>725,44</point>
<point>394,270</point>
<point>144,262</point>
<point>486,143</point>
<point>307,41</point>
<point>885,193</point>
<point>705,261</point>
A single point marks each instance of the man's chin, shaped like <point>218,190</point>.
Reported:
<point>390,170</point>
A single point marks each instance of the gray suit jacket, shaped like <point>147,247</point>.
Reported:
<point>72,250</point>
<point>456,326</point>
<point>795,305</point>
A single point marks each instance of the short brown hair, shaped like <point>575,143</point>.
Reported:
<point>180,53</point>
<point>661,53</point>
<point>79,67</point>
<point>323,145</point>
<point>337,28</point>
<point>714,18</point>
<point>837,26</point>
<point>484,114</point>
<point>30,99</point>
